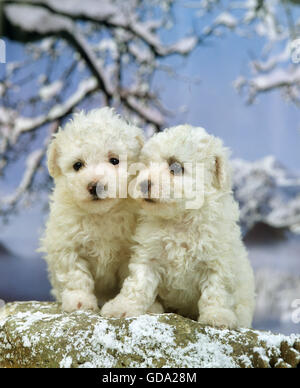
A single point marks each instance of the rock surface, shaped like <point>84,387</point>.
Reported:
<point>34,334</point>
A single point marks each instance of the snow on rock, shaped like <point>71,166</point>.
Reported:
<point>267,193</point>
<point>34,334</point>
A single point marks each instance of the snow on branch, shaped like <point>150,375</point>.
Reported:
<point>147,113</point>
<point>111,13</point>
<point>276,79</point>
<point>32,165</point>
<point>274,23</point>
<point>286,79</point>
<point>23,124</point>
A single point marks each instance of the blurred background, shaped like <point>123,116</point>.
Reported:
<point>232,67</point>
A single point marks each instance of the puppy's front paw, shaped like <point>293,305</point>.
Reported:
<point>218,317</point>
<point>78,300</point>
<point>156,308</point>
<point>121,307</point>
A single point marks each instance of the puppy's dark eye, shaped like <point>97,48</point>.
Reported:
<point>114,161</point>
<point>77,166</point>
<point>176,168</point>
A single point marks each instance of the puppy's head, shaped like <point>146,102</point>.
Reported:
<point>88,159</point>
<point>184,166</point>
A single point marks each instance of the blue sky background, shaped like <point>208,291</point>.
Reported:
<point>269,127</point>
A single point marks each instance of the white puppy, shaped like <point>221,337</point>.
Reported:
<point>88,237</point>
<point>188,253</point>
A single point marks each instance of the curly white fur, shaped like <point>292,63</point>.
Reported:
<point>194,261</point>
<point>87,241</point>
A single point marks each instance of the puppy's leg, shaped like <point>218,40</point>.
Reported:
<point>245,293</point>
<point>78,300</point>
<point>216,303</point>
<point>74,282</point>
<point>156,308</point>
<point>137,295</point>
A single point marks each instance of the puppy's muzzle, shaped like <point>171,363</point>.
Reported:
<point>96,190</point>
<point>145,187</point>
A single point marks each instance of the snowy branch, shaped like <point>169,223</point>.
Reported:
<point>275,23</point>
<point>32,165</point>
<point>107,14</point>
<point>57,112</point>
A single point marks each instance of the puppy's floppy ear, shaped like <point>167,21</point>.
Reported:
<point>222,170</point>
<point>140,140</point>
<point>52,156</point>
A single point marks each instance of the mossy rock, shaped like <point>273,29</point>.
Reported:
<point>34,334</point>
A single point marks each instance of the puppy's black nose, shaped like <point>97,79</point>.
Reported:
<point>145,187</point>
<point>92,188</point>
